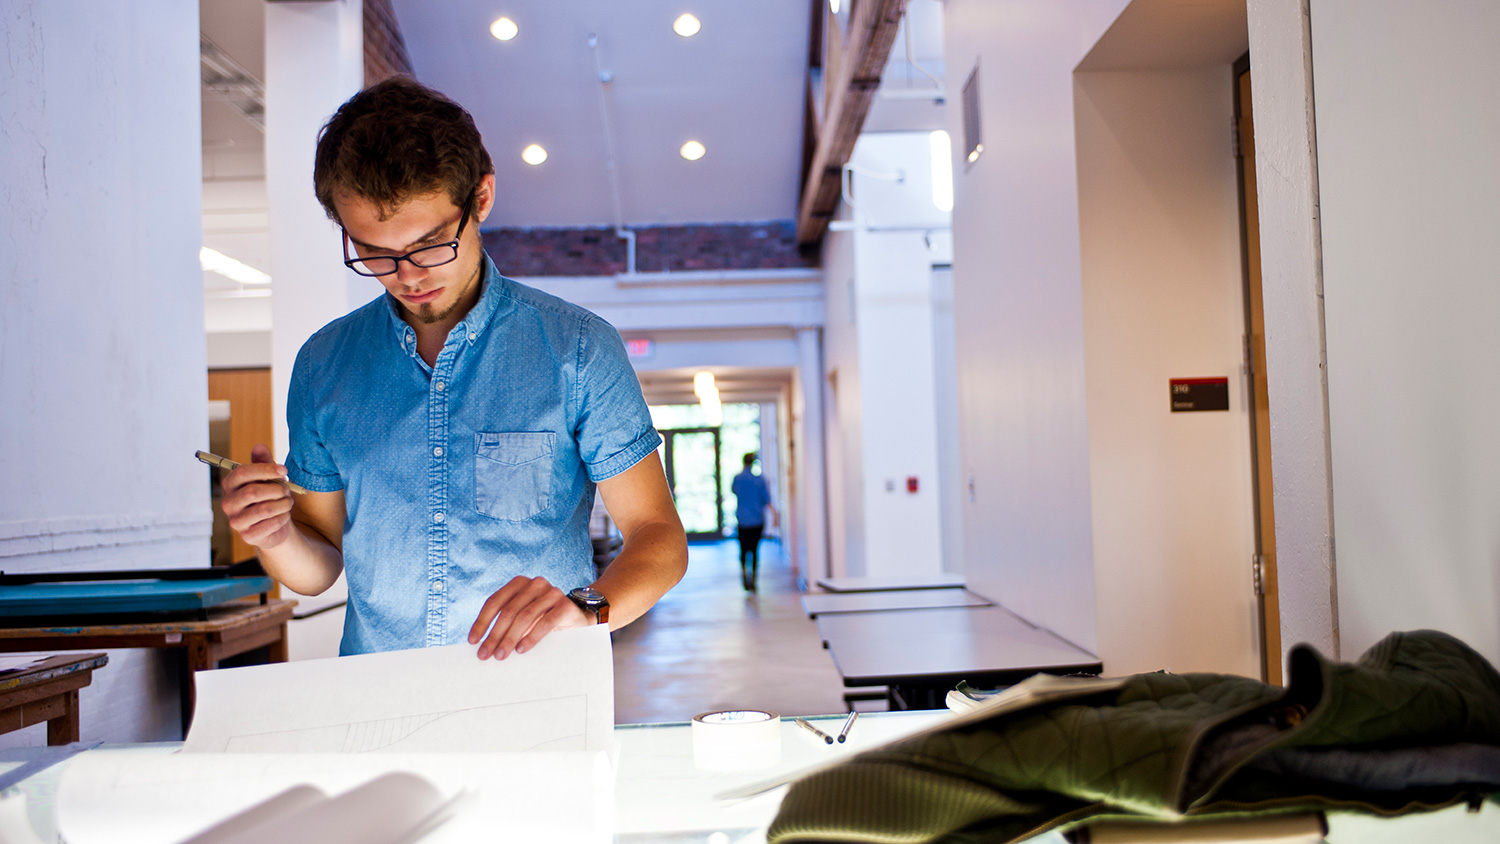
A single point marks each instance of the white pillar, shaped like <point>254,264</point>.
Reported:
<point>314,62</point>
<point>813,491</point>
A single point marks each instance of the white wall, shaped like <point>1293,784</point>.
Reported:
<point>879,347</point>
<point>1409,183</point>
<point>1018,307</point>
<point>843,416</point>
<point>102,391</point>
<point>899,418</point>
<point>1163,297</point>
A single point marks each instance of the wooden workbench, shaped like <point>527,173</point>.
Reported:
<point>230,630</point>
<point>47,691</point>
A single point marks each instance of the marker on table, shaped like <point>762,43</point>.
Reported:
<point>802,722</point>
<point>229,466</point>
<point>848,722</point>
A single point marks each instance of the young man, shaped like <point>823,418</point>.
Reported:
<point>752,498</point>
<point>453,431</point>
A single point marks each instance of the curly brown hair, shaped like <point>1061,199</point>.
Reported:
<point>397,140</point>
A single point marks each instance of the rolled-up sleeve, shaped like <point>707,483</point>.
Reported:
<point>308,462</point>
<point>612,424</point>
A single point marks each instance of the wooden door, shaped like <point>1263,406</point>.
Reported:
<point>248,392</point>
<point>1255,354</point>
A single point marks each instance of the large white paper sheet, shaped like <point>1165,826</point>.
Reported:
<point>131,796</point>
<point>559,696</point>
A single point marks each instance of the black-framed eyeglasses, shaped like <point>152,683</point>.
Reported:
<point>426,257</point>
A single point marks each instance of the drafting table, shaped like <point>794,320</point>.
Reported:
<point>944,580</point>
<point>922,654</point>
<point>47,692</point>
<point>820,603</point>
<point>229,630</point>
<point>660,797</point>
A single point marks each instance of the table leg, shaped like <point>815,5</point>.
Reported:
<point>64,728</point>
<point>277,650</point>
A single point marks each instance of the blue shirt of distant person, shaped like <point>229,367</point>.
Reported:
<point>453,432</point>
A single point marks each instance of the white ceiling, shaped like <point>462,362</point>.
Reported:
<point>737,87</point>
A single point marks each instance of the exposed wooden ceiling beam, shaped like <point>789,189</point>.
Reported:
<point>856,76</point>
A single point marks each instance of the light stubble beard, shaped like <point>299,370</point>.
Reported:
<point>427,315</point>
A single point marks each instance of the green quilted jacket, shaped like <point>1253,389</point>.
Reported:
<point>1413,725</point>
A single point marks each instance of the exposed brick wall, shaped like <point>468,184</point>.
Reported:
<point>385,51</point>
<point>597,251</point>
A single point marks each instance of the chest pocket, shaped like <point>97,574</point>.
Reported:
<point>513,474</point>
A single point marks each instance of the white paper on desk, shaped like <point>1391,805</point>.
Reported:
<point>557,696</point>
<point>145,797</point>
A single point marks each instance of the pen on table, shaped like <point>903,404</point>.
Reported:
<point>848,722</point>
<point>827,739</point>
<point>229,466</point>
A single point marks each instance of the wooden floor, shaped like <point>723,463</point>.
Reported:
<point>711,645</point>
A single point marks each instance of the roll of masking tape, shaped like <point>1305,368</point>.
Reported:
<point>736,740</point>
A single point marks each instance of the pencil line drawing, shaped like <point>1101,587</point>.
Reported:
<point>550,724</point>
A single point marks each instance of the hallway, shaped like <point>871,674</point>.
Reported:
<point>709,645</point>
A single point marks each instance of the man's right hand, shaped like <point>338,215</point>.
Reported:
<point>260,512</point>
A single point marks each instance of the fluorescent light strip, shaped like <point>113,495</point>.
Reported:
<point>213,261</point>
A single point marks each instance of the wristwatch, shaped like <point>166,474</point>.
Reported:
<point>591,600</point>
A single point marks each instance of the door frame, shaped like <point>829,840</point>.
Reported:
<point>669,462</point>
<point>1264,564</point>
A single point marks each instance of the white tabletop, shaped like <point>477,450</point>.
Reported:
<point>662,798</point>
<point>820,603</point>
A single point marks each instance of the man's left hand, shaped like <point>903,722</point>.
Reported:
<point>523,611</point>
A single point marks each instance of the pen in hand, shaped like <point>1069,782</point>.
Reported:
<point>803,723</point>
<point>229,466</point>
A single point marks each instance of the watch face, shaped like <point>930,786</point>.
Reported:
<point>590,597</point>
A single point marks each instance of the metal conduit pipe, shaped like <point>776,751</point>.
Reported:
<point>605,77</point>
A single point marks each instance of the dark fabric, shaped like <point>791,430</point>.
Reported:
<point>750,538</point>
<point>1414,724</point>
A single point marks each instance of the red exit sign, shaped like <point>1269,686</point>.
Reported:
<point>640,347</point>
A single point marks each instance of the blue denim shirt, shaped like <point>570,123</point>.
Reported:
<point>459,476</point>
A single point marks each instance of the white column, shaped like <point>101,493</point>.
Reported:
<point>813,491</point>
<point>314,62</point>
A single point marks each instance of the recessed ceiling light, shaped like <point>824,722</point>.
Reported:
<point>533,154</point>
<point>687,26</point>
<point>504,29</point>
<point>692,150</point>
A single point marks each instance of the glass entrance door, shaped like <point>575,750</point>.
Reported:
<point>692,464</point>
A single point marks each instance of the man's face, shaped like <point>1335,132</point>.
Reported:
<point>439,295</point>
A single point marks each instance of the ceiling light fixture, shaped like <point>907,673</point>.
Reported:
<point>833,6</point>
<point>533,155</point>
<point>687,26</point>
<point>504,29</point>
<point>708,397</point>
<point>214,261</point>
<point>692,150</point>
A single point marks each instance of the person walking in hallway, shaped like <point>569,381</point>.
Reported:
<point>752,499</point>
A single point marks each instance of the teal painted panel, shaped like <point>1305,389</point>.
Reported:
<point>125,596</point>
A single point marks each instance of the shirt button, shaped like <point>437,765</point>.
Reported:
<point>437,452</point>
<point>440,386</point>
<point>473,337</point>
<point>437,585</point>
<point>437,517</point>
